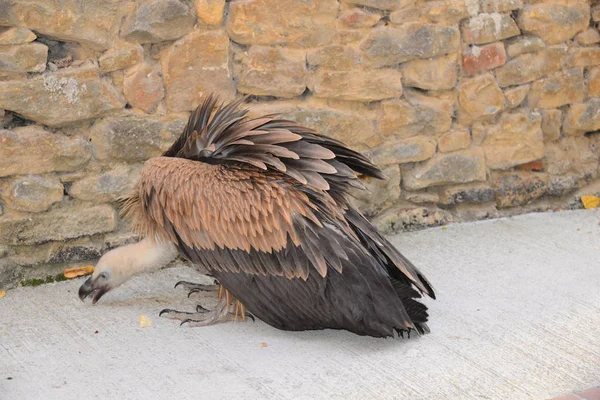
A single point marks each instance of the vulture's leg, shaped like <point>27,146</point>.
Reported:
<point>192,287</point>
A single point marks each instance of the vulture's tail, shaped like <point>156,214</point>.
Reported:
<point>398,266</point>
<point>406,279</point>
<point>416,311</point>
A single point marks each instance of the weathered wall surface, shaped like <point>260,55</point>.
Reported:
<point>474,108</point>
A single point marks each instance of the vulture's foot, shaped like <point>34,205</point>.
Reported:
<point>221,313</point>
<point>192,287</point>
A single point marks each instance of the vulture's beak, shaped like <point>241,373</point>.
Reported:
<point>90,288</point>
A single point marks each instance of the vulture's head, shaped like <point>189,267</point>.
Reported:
<point>120,264</point>
<point>112,270</point>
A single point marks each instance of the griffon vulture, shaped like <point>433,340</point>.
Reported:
<point>263,206</point>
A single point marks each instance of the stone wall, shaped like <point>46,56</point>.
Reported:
<point>474,108</point>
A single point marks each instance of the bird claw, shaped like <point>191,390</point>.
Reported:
<point>200,309</point>
<point>401,332</point>
<point>166,310</point>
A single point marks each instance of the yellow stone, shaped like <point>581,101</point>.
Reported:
<point>590,202</point>
<point>145,322</point>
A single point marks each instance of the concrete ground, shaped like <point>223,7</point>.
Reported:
<point>517,317</point>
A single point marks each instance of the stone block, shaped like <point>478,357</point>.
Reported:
<point>531,66</point>
<point>593,80</point>
<point>210,12</point>
<point>271,22</point>
<point>487,28</point>
<point>358,84</point>
<point>554,22</point>
<point>335,56</point>
<point>479,98</point>
<point>480,59</point>
<point>572,156</point>
<point>516,94</point>
<point>583,117</point>
<point>418,115</point>
<point>446,168</point>
<point>584,57</point>
<point>273,71</point>
<point>126,138</point>
<point>445,11</point>
<point>106,186</point>
<point>143,87</point>
<point>386,46</point>
<point>357,18</point>
<point>403,151</point>
<point>33,193</point>
<point>456,139</point>
<point>32,150</point>
<point>588,37</point>
<point>77,250</point>
<point>439,73</point>
<point>66,20</point>
<point>155,21</point>
<point>524,44</point>
<point>29,57</point>
<point>15,35</point>
<point>558,89</point>
<point>44,99</point>
<point>469,193</point>
<point>519,188</point>
<point>121,56</point>
<point>57,225</point>
<point>195,66</point>
<point>402,218</point>
<point>515,139</point>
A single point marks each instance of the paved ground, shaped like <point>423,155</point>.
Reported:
<point>518,317</point>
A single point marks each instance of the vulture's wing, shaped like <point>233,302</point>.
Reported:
<point>262,204</point>
<point>273,144</point>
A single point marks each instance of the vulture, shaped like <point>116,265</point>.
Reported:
<point>263,205</point>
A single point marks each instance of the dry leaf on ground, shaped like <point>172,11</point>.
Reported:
<point>590,202</point>
<point>263,344</point>
<point>79,271</point>
<point>2,293</point>
<point>145,321</point>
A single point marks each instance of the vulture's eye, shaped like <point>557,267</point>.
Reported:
<point>103,276</point>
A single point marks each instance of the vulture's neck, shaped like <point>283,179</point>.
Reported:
<point>145,256</point>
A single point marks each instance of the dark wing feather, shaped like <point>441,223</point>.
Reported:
<point>355,294</point>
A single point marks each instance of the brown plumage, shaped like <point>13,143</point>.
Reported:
<point>263,205</point>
